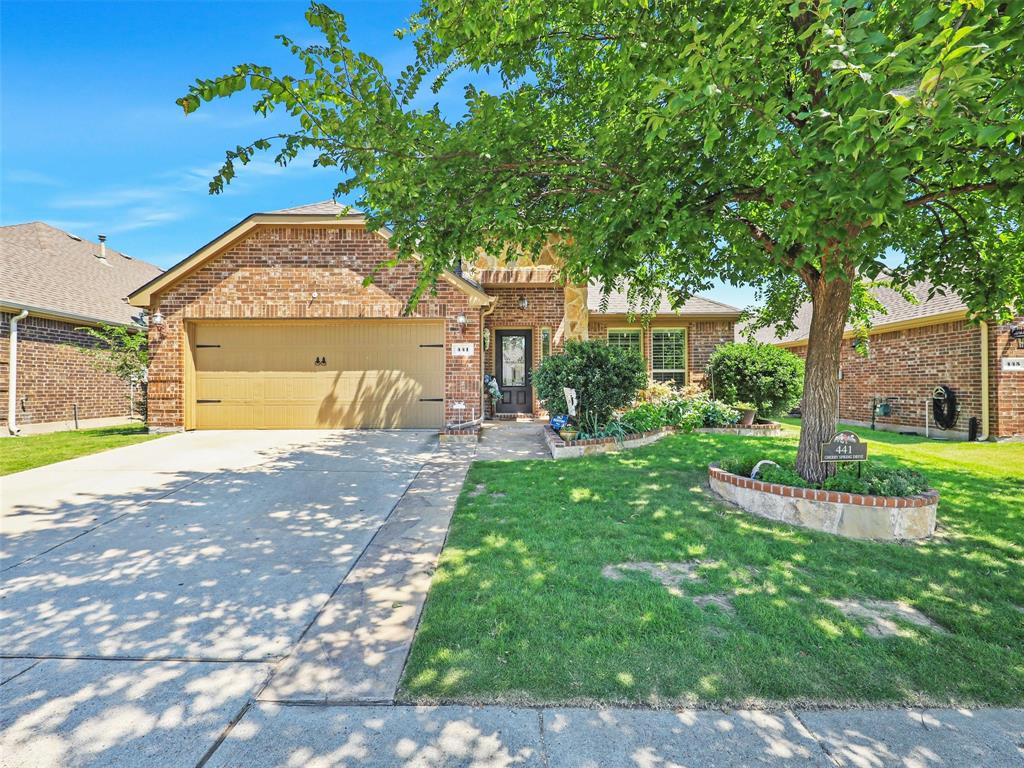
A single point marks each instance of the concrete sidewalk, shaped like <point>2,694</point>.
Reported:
<point>493,737</point>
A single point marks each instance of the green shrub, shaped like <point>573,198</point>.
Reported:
<point>686,414</point>
<point>877,480</point>
<point>605,378</point>
<point>682,414</point>
<point>715,413</point>
<point>769,378</point>
<point>772,473</point>
<point>738,465</point>
<point>874,479</point>
<point>645,417</point>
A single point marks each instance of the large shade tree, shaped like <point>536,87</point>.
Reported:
<point>790,146</point>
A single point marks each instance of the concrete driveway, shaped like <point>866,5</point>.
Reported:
<point>150,592</point>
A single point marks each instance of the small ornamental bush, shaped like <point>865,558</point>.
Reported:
<point>769,378</point>
<point>771,473</point>
<point>605,378</point>
<point>738,465</point>
<point>645,417</point>
<point>667,391</point>
<point>715,413</point>
<point>874,480</point>
<point>877,480</point>
<point>685,414</point>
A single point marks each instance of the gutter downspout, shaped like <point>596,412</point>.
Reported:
<point>984,383</point>
<point>12,378</point>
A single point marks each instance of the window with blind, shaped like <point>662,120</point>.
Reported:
<point>627,338</point>
<point>668,355</point>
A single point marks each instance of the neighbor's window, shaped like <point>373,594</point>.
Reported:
<point>668,355</point>
<point>627,338</point>
<point>545,342</point>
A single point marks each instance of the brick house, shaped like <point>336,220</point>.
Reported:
<point>52,284</point>
<point>915,348</point>
<point>271,326</point>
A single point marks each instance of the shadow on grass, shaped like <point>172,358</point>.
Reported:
<point>519,609</point>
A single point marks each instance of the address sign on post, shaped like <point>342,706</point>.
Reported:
<point>845,446</point>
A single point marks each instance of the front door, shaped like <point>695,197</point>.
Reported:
<point>513,365</point>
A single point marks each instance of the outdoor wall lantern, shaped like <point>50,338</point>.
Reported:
<point>157,318</point>
<point>524,303</point>
<point>1017,332</point>
<point>460,319</point>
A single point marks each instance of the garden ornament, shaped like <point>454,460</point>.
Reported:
<point>757,467</point>
<point>570,400</point>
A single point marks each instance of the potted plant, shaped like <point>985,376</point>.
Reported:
<point>568,432</point>
<point>747,413</point>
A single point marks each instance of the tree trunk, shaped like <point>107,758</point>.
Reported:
<point>830,304</point>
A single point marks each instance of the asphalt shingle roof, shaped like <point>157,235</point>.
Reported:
<point>322,208</point>
<point>618,304</point>
<point>45,267</point>
<point>898,309</point>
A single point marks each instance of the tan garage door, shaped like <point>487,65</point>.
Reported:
<point>316,374</point>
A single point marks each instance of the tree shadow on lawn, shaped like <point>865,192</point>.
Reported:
<point>519,610</point>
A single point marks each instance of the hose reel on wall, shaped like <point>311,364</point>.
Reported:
<point>945,410</point>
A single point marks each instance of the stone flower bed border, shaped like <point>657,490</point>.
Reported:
<point>853,515</point>
<point>560,449</point>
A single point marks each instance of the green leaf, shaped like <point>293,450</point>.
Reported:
<point>924,18</point>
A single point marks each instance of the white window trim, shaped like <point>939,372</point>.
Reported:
<point>686,355</point>
<point>639,335</point>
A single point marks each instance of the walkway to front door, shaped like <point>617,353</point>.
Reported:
<point>513,367</point>
<point>512,440</point>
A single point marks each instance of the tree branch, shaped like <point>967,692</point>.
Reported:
<point>931,197</point>
<point>767,241</point>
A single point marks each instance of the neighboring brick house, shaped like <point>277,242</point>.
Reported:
<point>61,283</point>
<point>916,347</point>
<point>271,326</point>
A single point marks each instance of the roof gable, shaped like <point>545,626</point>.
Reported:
<point>325,213</point>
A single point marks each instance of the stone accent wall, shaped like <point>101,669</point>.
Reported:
<point>271,275</point>
<point>701,338</point>
<point>546,309</point>
<point>544,260</point>
<point>54,375</point>
<point>577,314</point>
<point>904,366</point>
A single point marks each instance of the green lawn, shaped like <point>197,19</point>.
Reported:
<point>519,610</point>
<point>30,451</point>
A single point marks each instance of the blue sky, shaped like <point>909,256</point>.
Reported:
<point>92,140</point>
